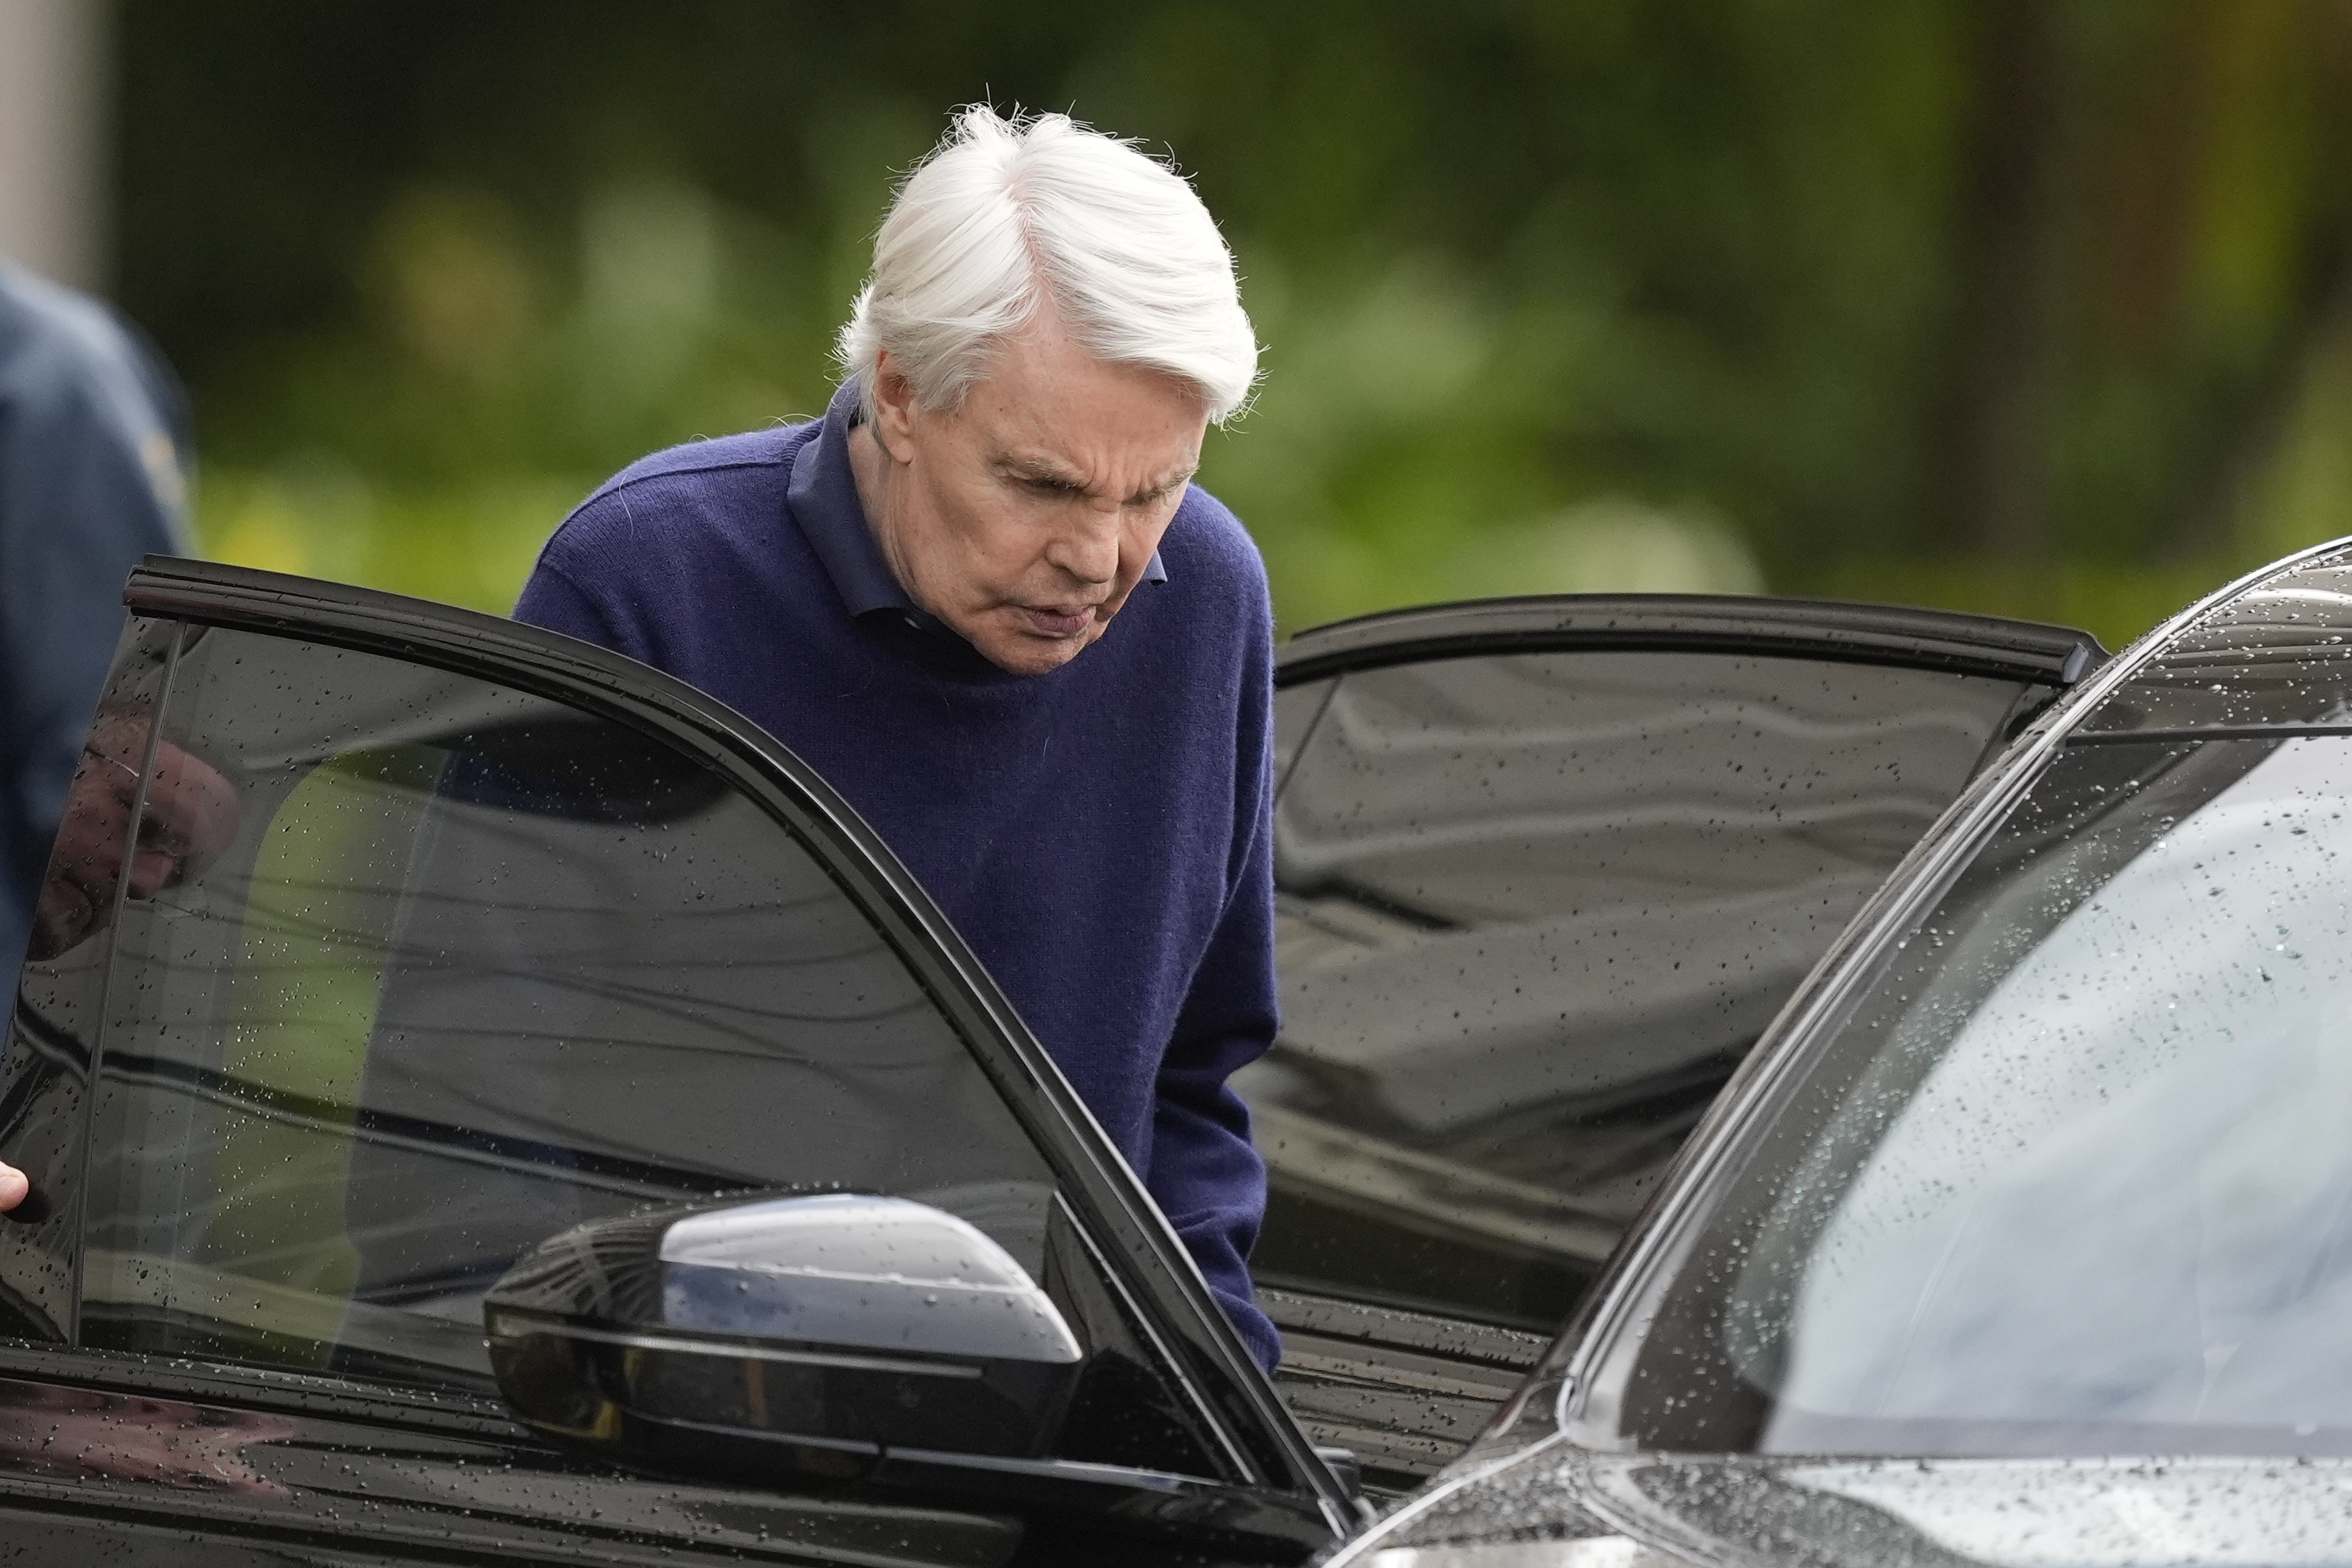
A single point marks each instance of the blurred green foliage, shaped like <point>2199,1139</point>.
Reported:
<point>2027,305</point>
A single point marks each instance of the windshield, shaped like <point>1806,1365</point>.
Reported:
<point>2073,1173</point>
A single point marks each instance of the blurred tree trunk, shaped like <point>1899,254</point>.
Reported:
<point>52,188</point>
<point>1995,456</point>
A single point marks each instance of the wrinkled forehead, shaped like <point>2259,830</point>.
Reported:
<point>1094,425</point>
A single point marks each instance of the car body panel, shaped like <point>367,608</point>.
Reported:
<point>1559,1506</point>
<point>138,1443</point>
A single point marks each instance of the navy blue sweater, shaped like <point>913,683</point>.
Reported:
<point>1101,835</point>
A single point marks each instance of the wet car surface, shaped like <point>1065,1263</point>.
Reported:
<point>485,1099</point>
<point>2026,1235</point>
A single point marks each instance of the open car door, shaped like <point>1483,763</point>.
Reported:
<point>529,1117</point>
<point>1545,869</point>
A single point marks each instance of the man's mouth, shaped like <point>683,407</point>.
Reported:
<point>1058,619</point>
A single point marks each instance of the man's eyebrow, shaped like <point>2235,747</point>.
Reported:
<point>1035,467</point>
<point>1030,468</point>
<point>1174,481</point>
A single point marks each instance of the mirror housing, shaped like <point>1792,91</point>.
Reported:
<point>813,1333</point>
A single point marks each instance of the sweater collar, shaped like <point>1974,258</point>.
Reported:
<point>822,495</point>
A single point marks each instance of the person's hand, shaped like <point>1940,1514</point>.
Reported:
<point>191,815</point>
<point>13,1187</point>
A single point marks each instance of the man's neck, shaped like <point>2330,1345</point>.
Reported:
<point>870,467</point>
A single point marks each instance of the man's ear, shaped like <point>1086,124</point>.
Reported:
<point>895,408</point>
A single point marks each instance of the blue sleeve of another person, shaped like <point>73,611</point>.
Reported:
<point>89,482</point>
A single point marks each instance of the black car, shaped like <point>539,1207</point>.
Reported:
<point>487,1100</point>
<point>2025,1236</point>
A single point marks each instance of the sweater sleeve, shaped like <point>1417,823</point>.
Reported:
<point>1205,1174</point>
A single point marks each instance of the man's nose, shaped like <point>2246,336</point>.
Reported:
<point>1088,551</point>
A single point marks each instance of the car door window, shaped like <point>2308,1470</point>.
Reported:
<point>469,967</point>
<point>1533,908</point>
<point>475,967</point>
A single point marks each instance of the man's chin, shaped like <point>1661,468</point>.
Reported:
<point>1034,656</point>
<point>1025,653</point>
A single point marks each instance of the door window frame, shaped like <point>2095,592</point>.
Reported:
<point>2023,650</point>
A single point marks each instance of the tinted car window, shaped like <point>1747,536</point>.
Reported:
<point>1533,910</point>
<point>469,967</point>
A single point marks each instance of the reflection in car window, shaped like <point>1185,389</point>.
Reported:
<point>2073,1176</point>
<point>53,1025</point>
<point>1533,910</point>
<point>475,967</point>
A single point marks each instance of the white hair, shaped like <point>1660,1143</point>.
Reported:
<point>1009,217</point>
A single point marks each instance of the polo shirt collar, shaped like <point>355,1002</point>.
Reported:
<point>822,495</point>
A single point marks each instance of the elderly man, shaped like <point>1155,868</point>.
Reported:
<point>982,596</point>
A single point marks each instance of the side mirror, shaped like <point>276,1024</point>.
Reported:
<point>805,1333</point>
